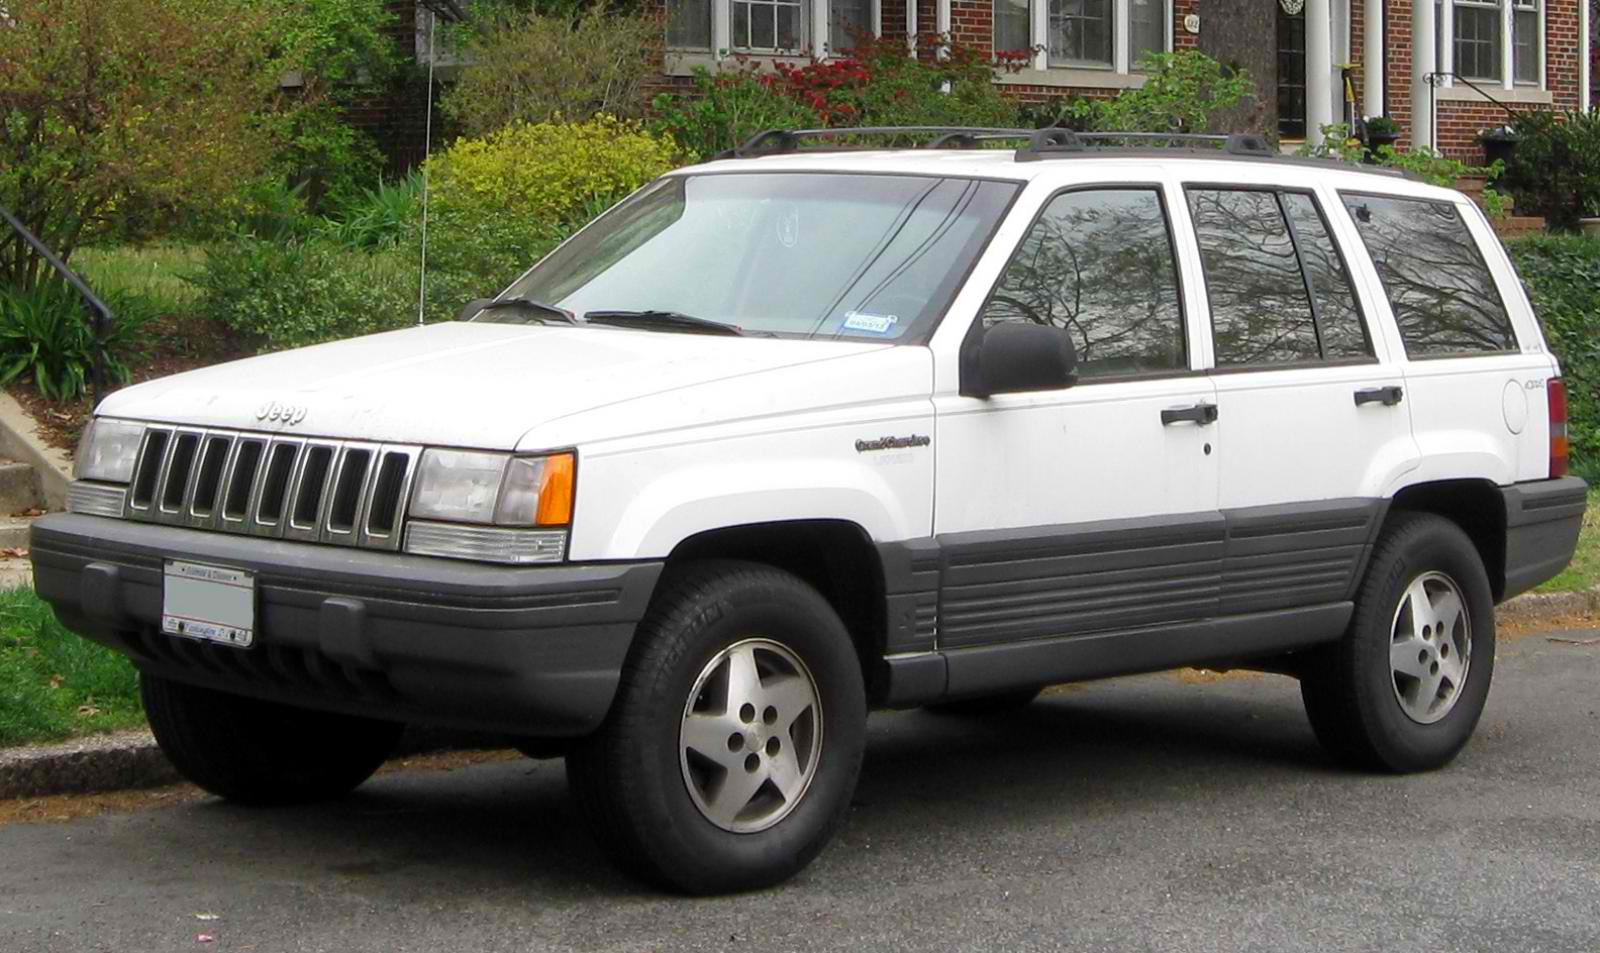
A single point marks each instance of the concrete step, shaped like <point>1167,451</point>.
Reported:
<point>19,488</point>
<point>15,573</point>
<point>14,534</point>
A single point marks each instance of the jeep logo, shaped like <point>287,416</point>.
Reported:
<point>287,414</point>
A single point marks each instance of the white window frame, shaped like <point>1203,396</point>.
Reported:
<point>681,59</point>
<point>1507,10</point>
<point>1121,73</point>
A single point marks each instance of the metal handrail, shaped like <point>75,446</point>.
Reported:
<point>1436,79</point>
<point>100,316</point>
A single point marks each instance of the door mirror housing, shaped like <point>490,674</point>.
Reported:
<point>1017,357</point>
<point>472,309</point>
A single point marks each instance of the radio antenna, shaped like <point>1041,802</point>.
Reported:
<point>451,9</point>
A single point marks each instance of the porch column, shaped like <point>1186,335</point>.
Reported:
<point>1372,12</point>
<point>1423,56</point>
<point>911,27</point>
<point>1319,69</point>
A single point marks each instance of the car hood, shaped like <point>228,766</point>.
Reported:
<point>457,384</point>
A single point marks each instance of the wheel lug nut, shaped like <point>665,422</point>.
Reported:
<point>752,763</point>
<point>735,741</point>
<point>773,747</point>
<point>747,713</point>
<point>770,716</point>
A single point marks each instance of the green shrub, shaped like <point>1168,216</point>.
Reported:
<point>380,217</point>
<point>500,203</point>
<point>290,294</point>
<point>45,336</point>
<point>1180,93</point>
<point>1338,142</point>
<point>724,109</point>
<point>533,68</point>
<point>1555,169</point>
<point>1562,275</point>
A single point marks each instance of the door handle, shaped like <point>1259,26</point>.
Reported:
<point>1201,414</point>
<point>1387,396</point>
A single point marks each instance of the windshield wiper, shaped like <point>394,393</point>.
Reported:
<point>664,319</point>
<point>529,304</point>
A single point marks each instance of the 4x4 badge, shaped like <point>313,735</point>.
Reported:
<point>285,413</point>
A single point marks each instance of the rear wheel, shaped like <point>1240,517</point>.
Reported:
<point>1405,687</point>
<point>732,749</point>
<point>260,752</point>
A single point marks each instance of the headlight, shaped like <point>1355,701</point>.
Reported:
<point>519,507</point>
<point>468,486</point>
<point>107,450</point>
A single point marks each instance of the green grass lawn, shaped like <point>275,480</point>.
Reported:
<point>154,272</point>
<point>55,685</point>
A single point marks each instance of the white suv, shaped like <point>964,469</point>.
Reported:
<point>799,433</point>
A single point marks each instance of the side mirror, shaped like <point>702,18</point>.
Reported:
<point>472,309</point>
<point>1016,357</point>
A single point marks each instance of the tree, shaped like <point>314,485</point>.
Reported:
<point>109,104</point>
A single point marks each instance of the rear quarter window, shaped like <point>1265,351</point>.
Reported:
<point>1439,287</point>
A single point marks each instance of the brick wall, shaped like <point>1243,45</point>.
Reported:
<point>396,118</point>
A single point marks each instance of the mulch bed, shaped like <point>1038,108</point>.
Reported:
<point>173,345</point>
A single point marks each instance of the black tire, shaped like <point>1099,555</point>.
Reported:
<point>259,752</point>
<point>628,778</point>
<point>1350,689</point>
<point>987,705</point>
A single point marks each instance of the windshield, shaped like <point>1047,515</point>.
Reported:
<point>873,257</point>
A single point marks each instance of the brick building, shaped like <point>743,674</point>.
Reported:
<point>1336,59</point>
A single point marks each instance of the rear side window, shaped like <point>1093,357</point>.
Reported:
<point>1279,292</point>
<point>1099,263</point>
<point>1443,297</point>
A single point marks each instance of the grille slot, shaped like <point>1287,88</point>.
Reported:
<point>342,492</point>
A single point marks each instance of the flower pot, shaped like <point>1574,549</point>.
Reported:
<point>1377,140</point>
<point>1498,145</point>
<point>1590,226</point>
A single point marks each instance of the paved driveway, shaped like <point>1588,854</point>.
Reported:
<point>1156,813</point>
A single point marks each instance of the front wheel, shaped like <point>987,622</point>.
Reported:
<point>732,749</point>
<point>1405,687</point>
<point>260,752</point>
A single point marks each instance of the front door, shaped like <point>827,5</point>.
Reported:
<point>1291,70</point>
<point>1093,507</point>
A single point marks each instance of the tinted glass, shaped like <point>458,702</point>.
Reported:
<point>1100,264</point>
<point>1338,314</point>
<point>689,24</point>
<point>1011,29</point>
<point>872,257</point>
<point>1443,297</point>
<point>1260,313</point>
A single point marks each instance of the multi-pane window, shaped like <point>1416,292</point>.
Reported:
<point>1011,30</point>
<point>1526,67</point>
<point>1477,48</point>
<point>1477,45</point>
<point>848,21</point>
<point>770,26</point>
<point>1441,291</point>
<point>1099,264</point>
<point>1084,34</point>
<point>778,27</point>
<point>1080,32</point>
<point>689,25</point>
<point>1279,292</point>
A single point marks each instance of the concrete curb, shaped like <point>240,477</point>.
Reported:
<point>1538,606</point>
<point>20,440</point>
<point>128,760</point>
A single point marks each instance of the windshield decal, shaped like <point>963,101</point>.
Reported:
<point>869,322</point>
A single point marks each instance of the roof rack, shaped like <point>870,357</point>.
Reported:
<point>1051,143</point>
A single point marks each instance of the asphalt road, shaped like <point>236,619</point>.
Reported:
<point>1156,813</point>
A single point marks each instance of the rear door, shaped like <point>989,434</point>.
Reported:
<point>1312,417</point>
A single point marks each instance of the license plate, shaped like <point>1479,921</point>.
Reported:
<point>209,603</point>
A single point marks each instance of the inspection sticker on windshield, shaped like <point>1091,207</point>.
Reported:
<point>870,323</point>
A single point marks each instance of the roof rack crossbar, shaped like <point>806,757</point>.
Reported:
<point>775,141</point>
<point>1058,141</point>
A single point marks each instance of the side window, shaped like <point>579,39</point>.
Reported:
<point>1344,334</point>
<point>1260,312</point>
<point>1099,263</point>
<point>1279,292</point>
<point>1443,296</point>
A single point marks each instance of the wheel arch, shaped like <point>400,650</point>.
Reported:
<point>835,557</point>
<point>1475,505</point>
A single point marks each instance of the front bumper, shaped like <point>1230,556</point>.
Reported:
<point>526,651</point>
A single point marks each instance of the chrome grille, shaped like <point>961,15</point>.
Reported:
<point>344,492</point>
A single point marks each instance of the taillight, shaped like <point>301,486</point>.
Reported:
<point>1557,393</point>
